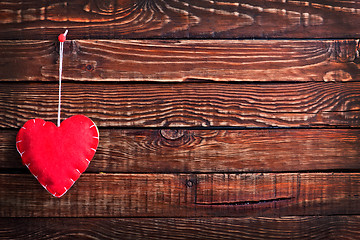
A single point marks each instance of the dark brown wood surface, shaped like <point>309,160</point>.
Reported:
<point>179,19</point>
<point>208,129</point>
<point>185,195</point>
<point>318,227</point>
<point>182,60</point>
<point>187,105</point>
<point>186,151</point>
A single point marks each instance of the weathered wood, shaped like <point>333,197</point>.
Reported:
<point>317,227</point>
<point>186,151</point>
<point>159,105</point>
<point>179,19</point>
<point>185,195</point>
<point>183,60</point>
<point>23,60</point>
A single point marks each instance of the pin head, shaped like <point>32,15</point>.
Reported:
<point>62,37</point>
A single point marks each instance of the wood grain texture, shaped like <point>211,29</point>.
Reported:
<point>182,60</point>
<point>317,227</point>
<point>185,195</point>
<point>166,167</point>
<point>184,105</point>
<point>179,19</point>
<point>186,151</point>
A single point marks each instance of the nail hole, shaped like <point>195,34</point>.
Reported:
<point>89,67</point>
<point>189,183</point>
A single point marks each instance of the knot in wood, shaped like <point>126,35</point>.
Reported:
<point>172,134</point>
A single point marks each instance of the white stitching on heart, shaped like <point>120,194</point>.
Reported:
<point>92,126</point>
<point>17,148</point>
<point>72,180</point>
<point>87,160</point>
<point>34,120</point>
<point>44,124</point>
<point>36,177</point>
<point>23,127</point>
<point>93,149</point>
<point>65,188</point>
<point>19,141</point>
<point>96,137</point>
<point>27,165</point>
<point>77,170</point>
<point>22,153</point>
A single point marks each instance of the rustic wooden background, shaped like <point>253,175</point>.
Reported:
<point>218,119</point>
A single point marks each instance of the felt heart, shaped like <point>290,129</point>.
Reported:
<point>57,156</point>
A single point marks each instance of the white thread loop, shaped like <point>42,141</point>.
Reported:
<point>61,53</point>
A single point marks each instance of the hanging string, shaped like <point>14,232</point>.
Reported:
<point>62,38</point>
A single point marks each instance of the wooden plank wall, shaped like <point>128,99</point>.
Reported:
<point>218,119</point>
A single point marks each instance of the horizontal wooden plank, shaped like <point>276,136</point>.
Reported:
<point>185,151</point>
<point>318,227</point>
<point>179,19</point>
<point>183,105</point>
<point>183,60</point>
<point>185,195</point>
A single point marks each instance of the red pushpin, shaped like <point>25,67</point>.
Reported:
<point>62,37</point>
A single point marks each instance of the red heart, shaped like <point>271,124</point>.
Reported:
<point>57,156</point>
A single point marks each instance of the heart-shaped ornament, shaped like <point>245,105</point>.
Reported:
<point>57,156</point>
